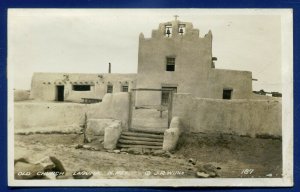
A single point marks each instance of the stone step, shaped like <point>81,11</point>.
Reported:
<point>124,141</point>
<point>119,145</point>
<point>141,138</point>
<point>140,134</point>
<point>155,130</point>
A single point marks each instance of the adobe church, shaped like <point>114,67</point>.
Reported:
<point>174,58</point>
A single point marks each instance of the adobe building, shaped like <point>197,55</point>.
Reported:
<point>174,57</point>
<point>74,86</point>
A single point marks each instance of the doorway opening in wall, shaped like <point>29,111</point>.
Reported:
<point>165,94</point>
<point>227,93</point>
<point>150,117</point>
<point>60,92</point>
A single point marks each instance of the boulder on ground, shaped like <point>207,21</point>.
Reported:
<point>51,163</point>
<point>22,159</point>
<point>192,161</point>
<point>27,170</point>
<point>24,170</point>
<point>58,165</point>
<point>47,164</point>
<point>209,169</point>
<point>200,174</point>
<point>158,152</point>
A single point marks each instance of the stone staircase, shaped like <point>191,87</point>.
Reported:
<point>145,140</point>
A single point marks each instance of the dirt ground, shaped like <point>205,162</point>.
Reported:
<point>232,154</point>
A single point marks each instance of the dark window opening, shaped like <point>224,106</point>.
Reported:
<point>81,87</point>
<point>125,88</point>
<point>60,93</point>
<point>165,94</point>
<point>170,64</point>
<point>227,93</point>
<point>109,89</point>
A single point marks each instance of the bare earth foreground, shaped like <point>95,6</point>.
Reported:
<point>231,154</point>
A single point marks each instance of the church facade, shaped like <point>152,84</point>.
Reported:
<point>174,57</point>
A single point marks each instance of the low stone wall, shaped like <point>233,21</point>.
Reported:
<point>113,106</point>
<point>34,115</point>
<point>21,95</point>
<point>241,117</point>
<point>40,115</point>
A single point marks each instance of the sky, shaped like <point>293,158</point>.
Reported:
<point>86,40</point>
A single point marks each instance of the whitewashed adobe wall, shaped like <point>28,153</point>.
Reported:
<point>43,85</point>
<point>46,114</point>
<point>35,114</point>
<point>193,70</point>
<point>21,95</point>
<point>241,117</point>
<point>113,106</point>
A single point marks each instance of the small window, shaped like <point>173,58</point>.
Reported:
<point>125,88</point>
<point>170,64</point>
<point>109,88</point>
<point>227,93</point>
<point>81,87</point>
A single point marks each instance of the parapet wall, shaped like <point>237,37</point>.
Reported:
<point>241,117</point>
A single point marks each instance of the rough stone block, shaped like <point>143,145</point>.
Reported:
<point>176,123</point>
<point>96,127</point>
<point>112,135</point>
<point>21,159</point>
<point>171,137</point>
<point>202,175</point>
<point>46,163</point>
<point>28,170</point>
<point>51,163</point>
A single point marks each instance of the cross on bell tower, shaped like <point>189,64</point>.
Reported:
<point>176,16</point>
